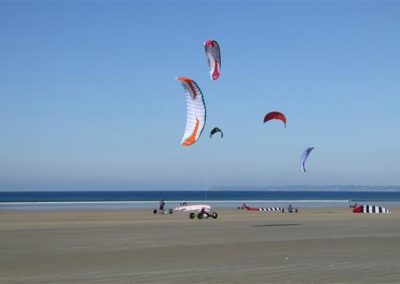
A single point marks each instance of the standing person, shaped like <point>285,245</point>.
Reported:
<point>162,204</point>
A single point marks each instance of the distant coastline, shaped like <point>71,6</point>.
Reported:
<point>305,188</point>
<point>345,188</point>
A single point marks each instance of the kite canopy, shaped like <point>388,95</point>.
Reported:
<point>370,209</point>
<point>304,158</point>
<point>195,111</point>
<point>275,115</point>
<point>215,130</point>
<point>213,54</point>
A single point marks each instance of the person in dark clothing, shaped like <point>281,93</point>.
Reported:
<point>162,204</point>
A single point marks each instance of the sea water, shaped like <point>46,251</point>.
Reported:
<point>117,200</point>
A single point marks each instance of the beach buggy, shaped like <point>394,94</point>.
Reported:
<point>203,214</point>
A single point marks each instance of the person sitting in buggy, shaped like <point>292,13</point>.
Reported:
<point>291,209</point>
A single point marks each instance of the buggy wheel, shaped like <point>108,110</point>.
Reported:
<point>200,216</point>
<point>155,211</point>
<point>192,215</point>
<point>215,215</point>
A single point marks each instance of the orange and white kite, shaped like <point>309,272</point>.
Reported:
<point>195,111</point>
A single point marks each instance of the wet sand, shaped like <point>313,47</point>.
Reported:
<point>135,246</point>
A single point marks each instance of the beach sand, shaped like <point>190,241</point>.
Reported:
<point>135,246</point>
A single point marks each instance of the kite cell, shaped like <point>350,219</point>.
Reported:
<point>304,158</point>
<point>213,54</point>
<point>370,209</point>
<point>215,130</point>
<point>195,111</point>
<point>275,115</point>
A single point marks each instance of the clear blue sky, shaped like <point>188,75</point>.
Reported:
<point>89,100</point>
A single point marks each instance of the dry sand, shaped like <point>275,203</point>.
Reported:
<point>135,246</point>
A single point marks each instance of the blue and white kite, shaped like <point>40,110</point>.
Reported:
<point>304,158</point>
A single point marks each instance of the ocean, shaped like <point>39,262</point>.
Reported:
<point>117,200</point>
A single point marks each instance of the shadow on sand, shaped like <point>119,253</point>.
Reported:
<point>276,225</point>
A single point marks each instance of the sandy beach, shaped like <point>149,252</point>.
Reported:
<point>135,246</point>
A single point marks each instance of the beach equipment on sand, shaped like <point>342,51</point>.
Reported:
<point>204,215</point>
<point>158,211</point>
<point>213,54</point>
<point>247,208</point>
<point>204,211</point>
<point>195,111</point>
<point>370,209</point>
<point>194,207</point>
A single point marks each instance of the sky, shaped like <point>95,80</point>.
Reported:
<point>89,101</point>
